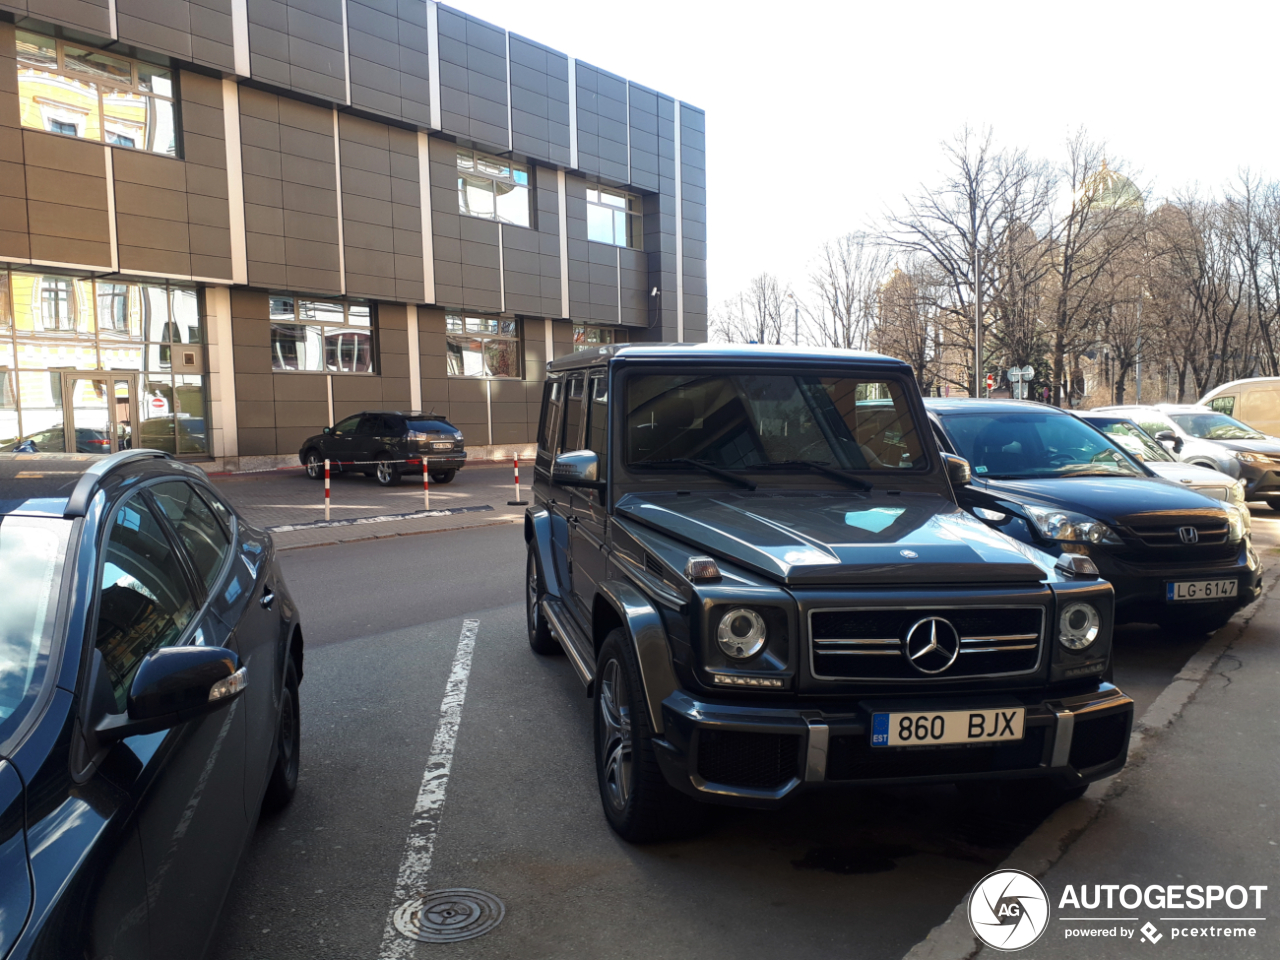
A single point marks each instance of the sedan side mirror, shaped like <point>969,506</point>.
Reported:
<point>173,685</point>
<point>957,470</point>
<point>327,430</point>
<point>578,468</point>
<point>1168,436</point>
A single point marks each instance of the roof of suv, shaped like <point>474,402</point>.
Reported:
<point>979,405</point>
<point>712,352</point>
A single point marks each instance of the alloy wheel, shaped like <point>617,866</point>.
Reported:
<point>314,466</point>
<point>531,596</point>
<point>384,470</point>
<point>615,744</point>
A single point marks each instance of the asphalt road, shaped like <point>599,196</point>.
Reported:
<point>861,873</point>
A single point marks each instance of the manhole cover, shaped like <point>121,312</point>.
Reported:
<point>443,916</point>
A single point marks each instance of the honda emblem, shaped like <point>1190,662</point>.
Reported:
<point>1189,534</point>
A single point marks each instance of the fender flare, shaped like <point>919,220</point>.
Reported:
<point>537,534</point>
<point>643,625</point>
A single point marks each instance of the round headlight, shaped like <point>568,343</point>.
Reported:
<point>741,633</point>
<point>1078,626</point>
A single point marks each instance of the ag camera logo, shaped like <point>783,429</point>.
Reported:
<point>1008,910</point>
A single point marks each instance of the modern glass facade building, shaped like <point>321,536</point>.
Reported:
<point>225,224</point>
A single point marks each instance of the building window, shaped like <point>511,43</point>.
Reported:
<point>483,347</point>
<point>588,338</point>
<point>75,90</point>
<point>57,304</point>
<point>493,189</point>
<point>614,217</point>
<point>321,336</point>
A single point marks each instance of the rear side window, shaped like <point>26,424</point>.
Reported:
<point>144,601</point>
<point>598,420</point>
<point>196,526</point>
<point>1225,405</point>
<point>549,426</point>
<point>572,414</point>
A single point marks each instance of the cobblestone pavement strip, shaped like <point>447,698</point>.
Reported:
<point>289,498</point>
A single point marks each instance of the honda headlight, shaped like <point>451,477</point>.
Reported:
<point>1237,521</point>
<point>1244,456</point>
<point>1235,494</point>
<point>1065,525</point>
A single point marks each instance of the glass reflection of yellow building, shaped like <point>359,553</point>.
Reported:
<point>52,324</point>
<point>81,92</point>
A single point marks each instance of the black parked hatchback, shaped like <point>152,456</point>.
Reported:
<point>385,444</point>
<point>1042,476</point>
<point>149,665</point>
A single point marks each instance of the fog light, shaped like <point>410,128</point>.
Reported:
<point>741,633</point>
<point>727,680</point>
<point>1078,626</point>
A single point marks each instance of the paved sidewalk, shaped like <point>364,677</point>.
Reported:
<point>289,497</point>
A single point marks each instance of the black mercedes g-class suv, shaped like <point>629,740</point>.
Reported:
<point>754,560</point>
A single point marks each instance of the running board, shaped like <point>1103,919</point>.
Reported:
<point>575,645</point>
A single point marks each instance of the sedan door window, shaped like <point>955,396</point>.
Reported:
<point>196,526</point>
<point>347,426</point>
<point>144,601</point>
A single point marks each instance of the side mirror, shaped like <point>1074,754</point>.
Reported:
<point>579,468</point>
<point>327,430</point>
<point>173,685</point>
<point>957,470</point>
<point>1168,436</point>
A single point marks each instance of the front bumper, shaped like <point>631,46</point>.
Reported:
<point>1260,481</point>
<point>746,755</point>
<point>1141,588</point>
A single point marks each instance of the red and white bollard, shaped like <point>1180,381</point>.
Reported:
<point>326,488</point>
<point>426,486</point>
<point>517,502</point>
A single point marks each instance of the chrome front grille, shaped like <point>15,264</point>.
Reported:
<point>1208,532</point>
<point>867,643</point>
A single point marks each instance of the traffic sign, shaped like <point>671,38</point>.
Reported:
<point>159,404</point>
<point>991,380</point>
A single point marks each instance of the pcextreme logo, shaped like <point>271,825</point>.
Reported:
<point>1008,910</point>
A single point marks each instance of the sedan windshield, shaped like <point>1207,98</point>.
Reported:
<point>758,421</point>
<point>1024,445</point>
<point>1216,426</point>
<point>32,550</point>
<point>1133,438</point>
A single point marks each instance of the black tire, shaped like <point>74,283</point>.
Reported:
<point>639,804</point>
<point>1273,503</point>
<point>540,639</point>
<point>284,775</point>
<point>443,476</point>
<point>385,472</point>
<point>314,464</point>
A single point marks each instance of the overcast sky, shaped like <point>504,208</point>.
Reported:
<point>821,115</point>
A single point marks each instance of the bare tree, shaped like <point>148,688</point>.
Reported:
<point>846,282</point>
<point>958,228</point>
<point>755,316</point>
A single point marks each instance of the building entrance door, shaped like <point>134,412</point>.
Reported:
<point>101,410</point>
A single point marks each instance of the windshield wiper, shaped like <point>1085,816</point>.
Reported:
<point>704,466</point>
<point>820,466</point>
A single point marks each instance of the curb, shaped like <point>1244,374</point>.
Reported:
<point>953,939</point>
<point>496,522</point>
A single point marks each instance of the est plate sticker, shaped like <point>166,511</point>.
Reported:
<point>1201,589</point>
<point>946,726</point>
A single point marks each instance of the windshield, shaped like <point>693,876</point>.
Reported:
<point>32,550</point>
<point>1133,438</point>
<point>1025,445</point>
<point>749,421</point>
<point>1215,426</point>
<point>432,426</point>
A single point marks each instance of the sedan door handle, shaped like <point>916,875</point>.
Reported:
<point>268,598</point>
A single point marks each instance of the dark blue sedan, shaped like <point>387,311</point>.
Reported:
<point>150,657</point>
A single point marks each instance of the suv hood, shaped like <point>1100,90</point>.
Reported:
<point>1109,499</point>
<point>808,537</point>
<point>1269,446</point>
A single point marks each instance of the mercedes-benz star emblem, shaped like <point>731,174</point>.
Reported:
<point>931,644</point>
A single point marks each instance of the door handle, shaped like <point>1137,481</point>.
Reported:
<point>267,599</point>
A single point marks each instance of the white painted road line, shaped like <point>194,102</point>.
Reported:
<point>421,843</point>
